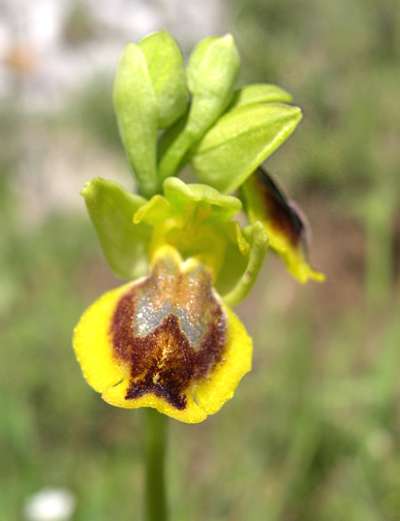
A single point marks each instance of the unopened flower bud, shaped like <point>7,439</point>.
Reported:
<point>211,73</point>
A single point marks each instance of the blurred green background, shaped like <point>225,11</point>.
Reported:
<point>313,433</point>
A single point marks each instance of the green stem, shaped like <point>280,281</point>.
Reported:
<point>155,493</point>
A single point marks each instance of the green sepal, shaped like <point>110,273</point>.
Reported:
<point>167,73</point>
<point>136,108</point>
<point>260,93</point>
<point>211,73</point>
<point>240,141</point>
<point>124,244</point>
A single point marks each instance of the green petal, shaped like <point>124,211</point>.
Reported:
<point>197,221</point>
<point>211,73</point>
<point>240,141</point>
<point>258,240</point>
<point>235,260</point>
<point>167,73</point>
<point>153,212</point>
<point>224,207</point>
<point>124,244</point>
<point>260,93</point>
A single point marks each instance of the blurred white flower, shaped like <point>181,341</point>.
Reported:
<point>50,504</point>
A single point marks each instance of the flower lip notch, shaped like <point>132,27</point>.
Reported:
<point>165,341</point>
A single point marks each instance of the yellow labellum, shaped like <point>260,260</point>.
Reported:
<point>165,341</point>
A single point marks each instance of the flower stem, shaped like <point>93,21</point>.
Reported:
<point>155,493</point>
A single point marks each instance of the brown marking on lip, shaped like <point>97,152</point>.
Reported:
<point>284,214</point>
<point>171,330</point>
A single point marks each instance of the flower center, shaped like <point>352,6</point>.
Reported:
<point>170,329</point>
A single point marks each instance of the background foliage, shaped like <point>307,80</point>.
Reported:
<point>314,432</point>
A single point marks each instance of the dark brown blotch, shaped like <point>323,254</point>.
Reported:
<point>283,213</point>
<point>168,358</point>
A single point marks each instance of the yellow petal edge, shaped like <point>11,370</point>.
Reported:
<point>110,377</point>
<point>293,257</point>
